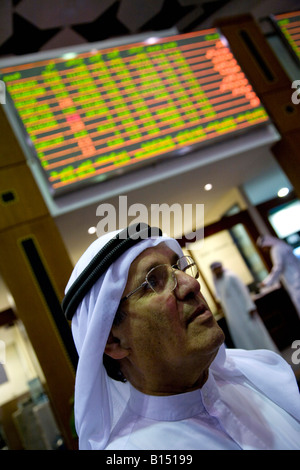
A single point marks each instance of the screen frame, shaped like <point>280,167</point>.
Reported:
<point>280,33</point>
<point>65,202</point>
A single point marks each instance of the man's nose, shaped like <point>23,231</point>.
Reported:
<point>186,285</point>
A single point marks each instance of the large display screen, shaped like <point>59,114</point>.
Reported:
<point>92,115</point>
<point>288,25</point>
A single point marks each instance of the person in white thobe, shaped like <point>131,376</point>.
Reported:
<point>244,323</point>
<point>286,267</point>
<point>239,399</point>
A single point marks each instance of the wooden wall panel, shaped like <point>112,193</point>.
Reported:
<point>253,53</point>
<point>20,198</point>
<point>35,266</point>
<point>287,153</point>
<point>10,151</point>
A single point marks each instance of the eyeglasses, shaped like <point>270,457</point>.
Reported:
<point>162,277</point>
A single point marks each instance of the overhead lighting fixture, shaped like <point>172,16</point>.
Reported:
<point>208,187</point>
<point>69,55</point>
<point>152,40</point>
<point>283,192</point>
<point>92,230</point>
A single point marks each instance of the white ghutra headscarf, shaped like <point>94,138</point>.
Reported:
<point>100,400</point>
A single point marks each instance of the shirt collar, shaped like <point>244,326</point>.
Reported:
<point>174,407</point>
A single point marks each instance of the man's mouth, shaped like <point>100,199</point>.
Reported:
<point>201,310</point>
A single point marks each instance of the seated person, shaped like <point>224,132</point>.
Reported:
<point>153,372</point>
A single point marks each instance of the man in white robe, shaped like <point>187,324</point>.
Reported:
<point>244,323</point>
<point>179,388</point>
<point>286,267</point>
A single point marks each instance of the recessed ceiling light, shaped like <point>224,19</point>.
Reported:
<point>152,40</point>
<point>283,192</point>
<point>92,230</point>
<point>69,55</point>
<point>208,187</point>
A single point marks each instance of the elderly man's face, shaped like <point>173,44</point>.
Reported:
<point>169,335</point>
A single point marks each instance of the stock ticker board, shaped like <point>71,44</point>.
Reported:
<point>94,115</point>
<point>289,26</point>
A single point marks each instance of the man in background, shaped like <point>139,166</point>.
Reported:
<point>286,267</point>
<point>244,323</point>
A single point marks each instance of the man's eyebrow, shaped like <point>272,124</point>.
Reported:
<point>144,271</point>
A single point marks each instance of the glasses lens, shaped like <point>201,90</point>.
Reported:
<point>161,278</point>
<point>188,266</point>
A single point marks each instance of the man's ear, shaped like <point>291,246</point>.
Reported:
<point>114,349</point>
